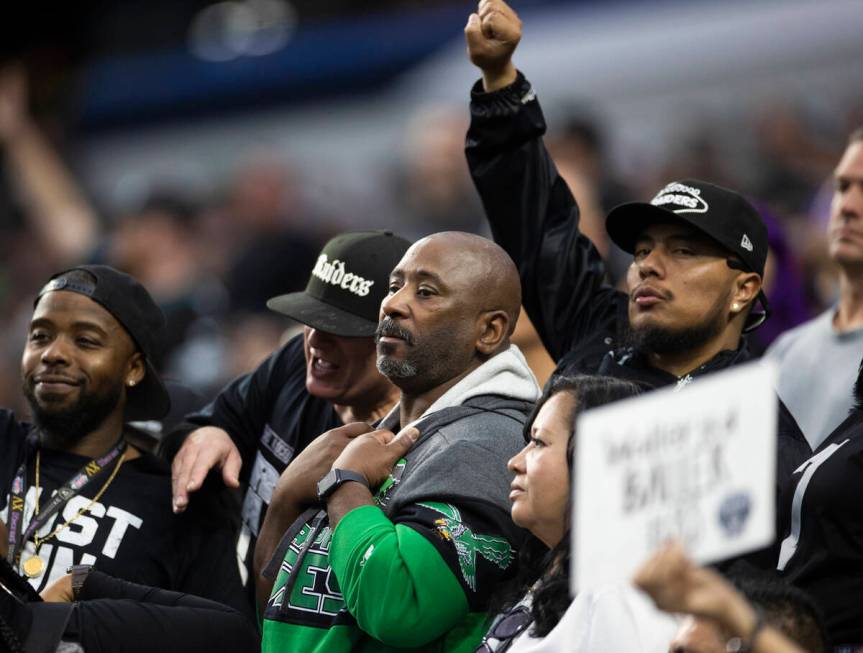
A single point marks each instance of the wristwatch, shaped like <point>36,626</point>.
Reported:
<point>335,478</point>
<point>79,576</point>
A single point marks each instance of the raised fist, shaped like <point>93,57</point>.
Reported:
<point>492,35</point>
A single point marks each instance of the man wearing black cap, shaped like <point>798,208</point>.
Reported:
<point>74,490</point>
<point>698,249</point>
<point>316,382</point>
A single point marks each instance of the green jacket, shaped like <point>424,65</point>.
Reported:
<point>417,570</point>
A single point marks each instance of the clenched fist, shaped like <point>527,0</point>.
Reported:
<point>492,35</point>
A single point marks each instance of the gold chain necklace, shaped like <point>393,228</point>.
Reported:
<point>34,565</point>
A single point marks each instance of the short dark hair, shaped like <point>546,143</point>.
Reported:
<point>788,609</point>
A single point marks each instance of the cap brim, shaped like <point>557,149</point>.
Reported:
<point>320,315</point>
<point>149,399</point>
<point>626,222</point>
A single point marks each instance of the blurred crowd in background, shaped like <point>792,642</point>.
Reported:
<point>212,254</point>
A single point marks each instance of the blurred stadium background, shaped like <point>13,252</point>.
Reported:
<point>209,148</point>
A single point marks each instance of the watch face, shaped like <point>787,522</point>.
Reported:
<point>328,484</point>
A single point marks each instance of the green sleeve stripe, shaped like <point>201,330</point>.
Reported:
<point>394,581</point>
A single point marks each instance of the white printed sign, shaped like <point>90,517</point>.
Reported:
<point>696,463</point>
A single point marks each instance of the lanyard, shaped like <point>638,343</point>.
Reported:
<point>74,486</point>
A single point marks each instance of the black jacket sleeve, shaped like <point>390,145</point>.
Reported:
<point>205,537</point>
<point>534,217</point>
<point>244,405</point>
<point>114,614</point>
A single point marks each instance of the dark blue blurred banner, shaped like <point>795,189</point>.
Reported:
<point>320,60</point>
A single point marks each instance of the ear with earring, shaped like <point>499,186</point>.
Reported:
<point>130,383</point>
<point>735,307</point>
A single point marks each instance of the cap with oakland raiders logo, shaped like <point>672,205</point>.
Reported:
<point>347,284</point>
<point>724,215</point>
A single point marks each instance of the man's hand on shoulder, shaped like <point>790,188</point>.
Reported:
<point>492,34</point>
<point>374,454</point>
<point>205,448</point>
<point>299,482</point>
<point>297,489</point>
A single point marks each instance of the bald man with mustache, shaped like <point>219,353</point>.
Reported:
<point>407,535</point>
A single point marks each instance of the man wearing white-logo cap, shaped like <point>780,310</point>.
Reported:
<point>316,382</point>
<point>699,250</point>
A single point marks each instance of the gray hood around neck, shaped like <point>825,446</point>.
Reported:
<point>506,375</point>
<point>465,457</point>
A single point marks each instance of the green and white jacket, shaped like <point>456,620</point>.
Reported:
<point>416,571</point>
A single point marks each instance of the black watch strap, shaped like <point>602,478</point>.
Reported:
<point>335,478</point>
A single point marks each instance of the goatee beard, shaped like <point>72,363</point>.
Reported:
<point>68,426</point>
<point>390,368</point>
<point>652,339</point>
<point>393,369</point>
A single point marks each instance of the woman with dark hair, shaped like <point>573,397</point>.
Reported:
<point>536,613</point>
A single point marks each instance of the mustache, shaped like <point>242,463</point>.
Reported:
<point>664,294</point>
<point>389,327</point>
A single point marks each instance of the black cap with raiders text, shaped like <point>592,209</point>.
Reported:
<point>347,284</point>
<point>133,307</point>
<point>724,215</point>
<point>718,212</point>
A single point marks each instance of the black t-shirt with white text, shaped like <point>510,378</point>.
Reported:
<point>130,532</point>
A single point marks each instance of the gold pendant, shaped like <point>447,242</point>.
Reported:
<point>33,566</point>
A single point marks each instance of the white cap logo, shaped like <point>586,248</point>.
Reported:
<point>686,198</point>
<point>333,272</point>
<point>745,243</point>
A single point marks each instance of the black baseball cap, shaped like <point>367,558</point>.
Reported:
<point>347,284</point>
<point>722,214</point>
<point>133,307</point>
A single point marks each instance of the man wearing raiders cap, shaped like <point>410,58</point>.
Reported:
<point>694,285</point>
<point>320,380</point>
<point>73,489</point>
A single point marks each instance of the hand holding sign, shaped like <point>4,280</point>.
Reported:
<point>677,585</point>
